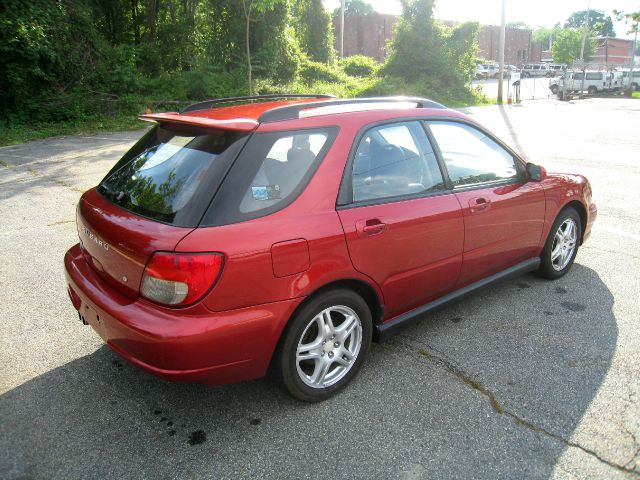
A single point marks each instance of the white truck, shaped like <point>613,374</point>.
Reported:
<point>591,82</point>
<point>635,79</point>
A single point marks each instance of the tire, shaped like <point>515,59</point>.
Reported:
<point>592,90</point>
<point>554,89</point>
<point>335,356</point>
<point>561,247</point>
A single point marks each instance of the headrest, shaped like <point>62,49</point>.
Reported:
<point>301,142</point>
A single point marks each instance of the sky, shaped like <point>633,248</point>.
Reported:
<point>536,13</point>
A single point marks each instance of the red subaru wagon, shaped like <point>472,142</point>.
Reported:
<point>272,232</point>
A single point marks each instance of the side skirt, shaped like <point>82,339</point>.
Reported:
<point>386,330</point>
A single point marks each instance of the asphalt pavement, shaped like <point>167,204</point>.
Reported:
<point>528,379</point>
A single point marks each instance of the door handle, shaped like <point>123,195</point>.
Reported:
<point>370,227</point>
<point>479,204</point>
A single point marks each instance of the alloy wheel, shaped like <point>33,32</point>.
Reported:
<point>329,346</point>
<point>564,244</point>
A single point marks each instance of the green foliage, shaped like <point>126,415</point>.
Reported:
<point>277,52</point>
<point>424,49</point>
<point>313,26</point>
<point>70,65</point>
<point>450,95</point>
<point>567,46</point>
<point>354,8</point>
<point>631,18</point>
<point>545,35</point>
<point>45,50</point>
<point>359,66</point>
<point>311,72</point>
<point>599,23</point>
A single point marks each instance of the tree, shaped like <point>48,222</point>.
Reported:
<point>567,46</point>
<point>354,8</point>
<point>249,7</point>
<point>314,29</point>
<point>632,18</point>
<point>426,51</point>
<point>599,24</point>
<point>545,36</point>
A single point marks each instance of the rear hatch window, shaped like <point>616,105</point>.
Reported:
<point>171,174</point>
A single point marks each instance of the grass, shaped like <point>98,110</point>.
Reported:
<point>635,95</point>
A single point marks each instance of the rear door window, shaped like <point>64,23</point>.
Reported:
<point>171,174</point>
<point>395,160</point>
<point>272,170</point>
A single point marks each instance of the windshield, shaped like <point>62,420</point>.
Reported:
<point>171,174</point>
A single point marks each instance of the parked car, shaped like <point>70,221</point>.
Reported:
<point>486,70</point>
<point>556,69</point>
<point>287,235</point>
<point>535,70</point>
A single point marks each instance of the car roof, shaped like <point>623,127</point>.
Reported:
<point>248,116</point>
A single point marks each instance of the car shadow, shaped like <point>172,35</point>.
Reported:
<point>459,395</point>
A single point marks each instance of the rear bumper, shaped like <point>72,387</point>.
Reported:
<point>191,344</point>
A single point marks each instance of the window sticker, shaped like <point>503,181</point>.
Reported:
<point>266,192</point>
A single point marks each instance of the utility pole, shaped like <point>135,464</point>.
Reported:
<point>342,29</point>
<point>586,31</point>
<point>501,51</point>
<point>633,57</point>
<point>584,40</point>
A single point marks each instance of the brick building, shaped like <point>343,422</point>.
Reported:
<point>368,35</point>
<point>518,48</point>
<point>609,52</point>
<point>365,35</point>
<point>612,51</point>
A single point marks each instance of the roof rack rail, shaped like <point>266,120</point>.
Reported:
<point>290,112</point>
<point>216,101</point>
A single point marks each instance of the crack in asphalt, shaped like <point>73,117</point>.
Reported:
<point>57,181</point>
<point>632,460</point>
<point>38,173</point>
<point>440,360</point>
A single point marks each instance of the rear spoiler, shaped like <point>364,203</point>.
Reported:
<point>239,124</point>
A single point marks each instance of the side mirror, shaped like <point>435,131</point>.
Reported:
<point>535,172</point>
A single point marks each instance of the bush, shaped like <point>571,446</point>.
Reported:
<point>359,66</point>
<point>311,71</point>
<point>450,95</point>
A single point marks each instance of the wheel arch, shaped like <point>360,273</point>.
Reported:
<point>582,211</point>
<point>362,288</point>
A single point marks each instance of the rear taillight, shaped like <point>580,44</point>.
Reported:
<point>179,279</point>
